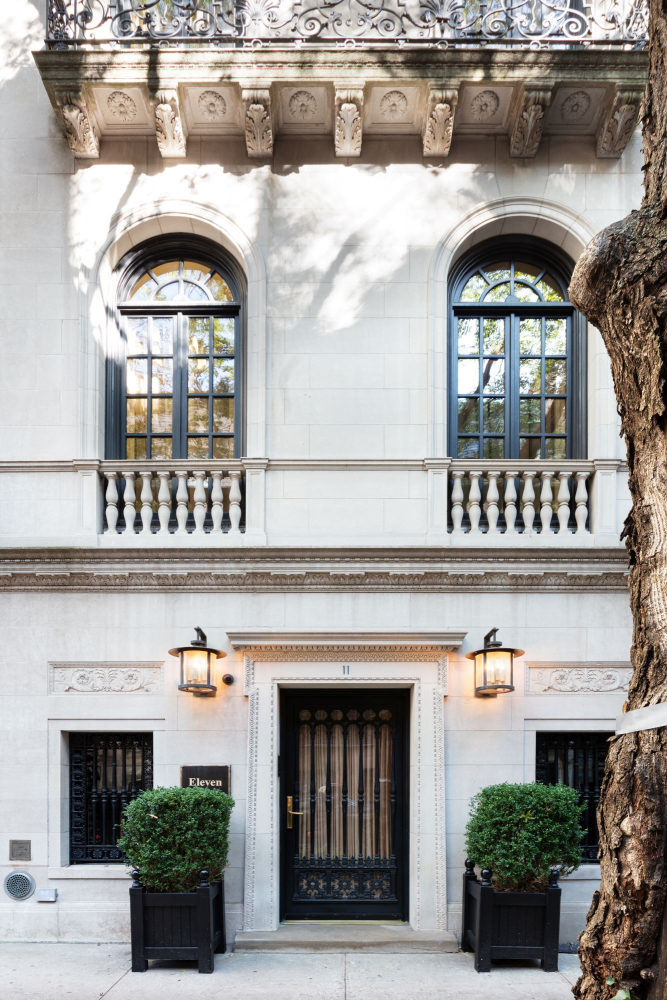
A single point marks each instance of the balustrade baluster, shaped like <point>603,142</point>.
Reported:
<point>528,501</point>
<point>216,502</point>
<point>510,503</point>
<point>200,502</point>
<point>182,503</point>
<point>492,498</point>
<point>164,501</point>
<point>130,498</point>
<point>457,500</point>
<point>581,500</point>
<point>546,499</point>
<point>235,502</point>
<point>146,501</point>
<point>474,498</point>
<point>563,501</point>
<point>112,502</point>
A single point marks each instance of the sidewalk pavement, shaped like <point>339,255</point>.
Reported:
<point>89,972</point>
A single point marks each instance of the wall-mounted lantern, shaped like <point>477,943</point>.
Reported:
<point>494,666</point>
<point>196,666</point>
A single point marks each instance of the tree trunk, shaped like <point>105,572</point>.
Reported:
<point>620,285</point>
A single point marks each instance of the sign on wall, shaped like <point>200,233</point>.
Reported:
<point>217,776</point>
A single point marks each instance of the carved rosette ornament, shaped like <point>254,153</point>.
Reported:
<point>258,129</point>
<point>439,122</point>
<point>168,124</point>
<point>347,132</point>
<point>527,130</point>
<point>79,130</point>
<point>619,124</point>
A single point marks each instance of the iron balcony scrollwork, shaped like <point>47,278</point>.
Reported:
<point>431,23</point>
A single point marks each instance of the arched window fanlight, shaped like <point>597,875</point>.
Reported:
<point>516,355</point>
<point>175,384</point>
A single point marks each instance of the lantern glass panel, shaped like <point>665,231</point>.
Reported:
<point>195,666</point>
<point>498,667</point>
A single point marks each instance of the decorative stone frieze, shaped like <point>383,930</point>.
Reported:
<point>79,130</point>
<point>577,678</point>
<point>169,125</point>
<point>347,126</point>
<point>439,122</point>
<point>527,130</point>
<point>619,124</point>
<point>258,128</point>
<point>105,678</point>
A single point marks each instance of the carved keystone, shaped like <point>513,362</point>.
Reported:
<point>347,128</point>
<point>258,130</point>
<point>618,124</point>
<point>528,123</point>
<point>439,122</point>
<point>168,124</point>
<point>79,129</point>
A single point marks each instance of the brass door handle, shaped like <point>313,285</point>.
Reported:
<point>290,812</point>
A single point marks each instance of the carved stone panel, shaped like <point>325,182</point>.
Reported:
<point>347,128</point>
<point>618,124</point>
<point>258,128</point>
<point>105,678</point>
<point>168,124</point>
<point>528,124</point>
<point>577,678</point>
<point>80,131</point>
<point>439,122</point>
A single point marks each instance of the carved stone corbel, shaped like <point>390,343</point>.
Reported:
<point>169,125</point>
<point>347,127</point>
<point>258,129</point>
<point>439,122</point>
<point>618,124</point>
<point>79,130</point>
<point>527,130</point>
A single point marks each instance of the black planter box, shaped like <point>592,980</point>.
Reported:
<point>509,924</point>
<point>177,925</point>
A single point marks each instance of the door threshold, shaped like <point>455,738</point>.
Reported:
<point>346,923</point>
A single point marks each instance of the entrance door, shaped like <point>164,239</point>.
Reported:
<point>344,804</point>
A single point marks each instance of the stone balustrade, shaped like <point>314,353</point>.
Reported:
<point>515,498</point>
<point>164,498</point>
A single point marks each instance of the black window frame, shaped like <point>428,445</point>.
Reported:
<point>94,812</point>
<point>150,254</point>
<point>556,262</point>
<point>589,750</point>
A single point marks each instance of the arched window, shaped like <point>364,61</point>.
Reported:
<point>174,386</point>
<point>517,355</point>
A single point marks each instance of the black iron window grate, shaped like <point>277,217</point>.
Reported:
<point>576,760</point>
<point>107,770</point>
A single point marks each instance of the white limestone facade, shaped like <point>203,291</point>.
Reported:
<point>347,568</point>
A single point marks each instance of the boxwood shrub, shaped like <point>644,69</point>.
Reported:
<point>520,831</point>
<point>171,834</point>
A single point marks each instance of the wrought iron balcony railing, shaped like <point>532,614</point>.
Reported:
<point>431,23</point>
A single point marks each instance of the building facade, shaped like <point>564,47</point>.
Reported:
<point>288,357</point>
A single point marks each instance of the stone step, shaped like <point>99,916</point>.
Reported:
<point>342,937</point>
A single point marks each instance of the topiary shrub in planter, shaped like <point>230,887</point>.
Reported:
<point>523,837</point>
<point>177,842</point>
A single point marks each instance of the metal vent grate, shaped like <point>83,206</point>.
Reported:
<point>19,885</point>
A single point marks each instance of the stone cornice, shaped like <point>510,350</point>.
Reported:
<point>261,570</point>
<point>431,645</point>
<point>165,66</point>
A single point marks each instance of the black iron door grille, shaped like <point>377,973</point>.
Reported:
<point>343,823</point>
<point>107,770</point>
<point>576,760</point>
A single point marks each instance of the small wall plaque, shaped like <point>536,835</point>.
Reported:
<point>217,776</point>
<point>19,850</point>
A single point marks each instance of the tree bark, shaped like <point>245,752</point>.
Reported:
<point>620,285</point>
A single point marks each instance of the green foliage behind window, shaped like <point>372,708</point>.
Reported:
<point>171,834</point>
<point>520,831</point>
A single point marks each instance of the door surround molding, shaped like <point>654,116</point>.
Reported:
<point>412,661</point>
